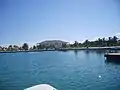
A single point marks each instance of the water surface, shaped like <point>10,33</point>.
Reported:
<point>64,70</point>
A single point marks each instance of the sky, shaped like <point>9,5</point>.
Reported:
<point>33,21</point>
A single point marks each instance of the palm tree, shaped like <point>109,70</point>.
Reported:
<point>86,43</point>
<point>75,44</point>
<point>109,42</point>
<point>0,48</point>
<point>34,47</point>
<point>104,42</point>
<point>115,38</point>
<point>109,38</point>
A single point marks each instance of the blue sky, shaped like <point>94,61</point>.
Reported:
<point>37,20</point>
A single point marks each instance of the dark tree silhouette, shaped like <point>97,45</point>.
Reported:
<point>25,46</point>
<point>75,44</point>
<point>100,42</point>
<point>9,48</point>
<point>34,47</point>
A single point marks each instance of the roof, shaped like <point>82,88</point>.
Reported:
<point>52,42</point>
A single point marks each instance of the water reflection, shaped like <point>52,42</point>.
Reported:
<point>112,62</point>
<point>99,52</point>
<point>87,51</point>
<point>76,52</point>
<point>64,50</point>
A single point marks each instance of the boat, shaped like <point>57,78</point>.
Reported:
<point>41,87</point>
<point>113,57</point>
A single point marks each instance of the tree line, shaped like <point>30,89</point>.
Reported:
<point>100,42</point>
<point>25,46</point>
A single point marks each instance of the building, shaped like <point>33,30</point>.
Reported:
<point>52,44</point>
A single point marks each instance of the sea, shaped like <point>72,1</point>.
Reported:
<point>64,70</point>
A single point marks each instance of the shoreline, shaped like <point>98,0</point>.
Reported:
<point>67,49</point>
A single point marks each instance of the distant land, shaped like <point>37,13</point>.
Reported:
<point>100,43</point>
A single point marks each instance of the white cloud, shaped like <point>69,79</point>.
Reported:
<point>96,38</point>
<point>117,34</point>
<point>106,37</point>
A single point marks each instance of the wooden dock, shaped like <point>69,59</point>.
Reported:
<point>113,56</point>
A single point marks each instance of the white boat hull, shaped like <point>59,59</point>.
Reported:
<point>41,87</point>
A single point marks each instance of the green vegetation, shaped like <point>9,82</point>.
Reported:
<point>58,44</point>
<point>25,46</point>
<point>102,42</point>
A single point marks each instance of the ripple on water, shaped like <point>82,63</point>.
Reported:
<point>64,70</point>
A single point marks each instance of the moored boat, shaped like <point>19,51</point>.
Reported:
<point>112,57</point>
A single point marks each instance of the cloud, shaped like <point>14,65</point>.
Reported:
<point>117,34</point>
<point>96,38</point>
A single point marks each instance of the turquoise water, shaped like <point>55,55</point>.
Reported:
<point>63,70</point>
